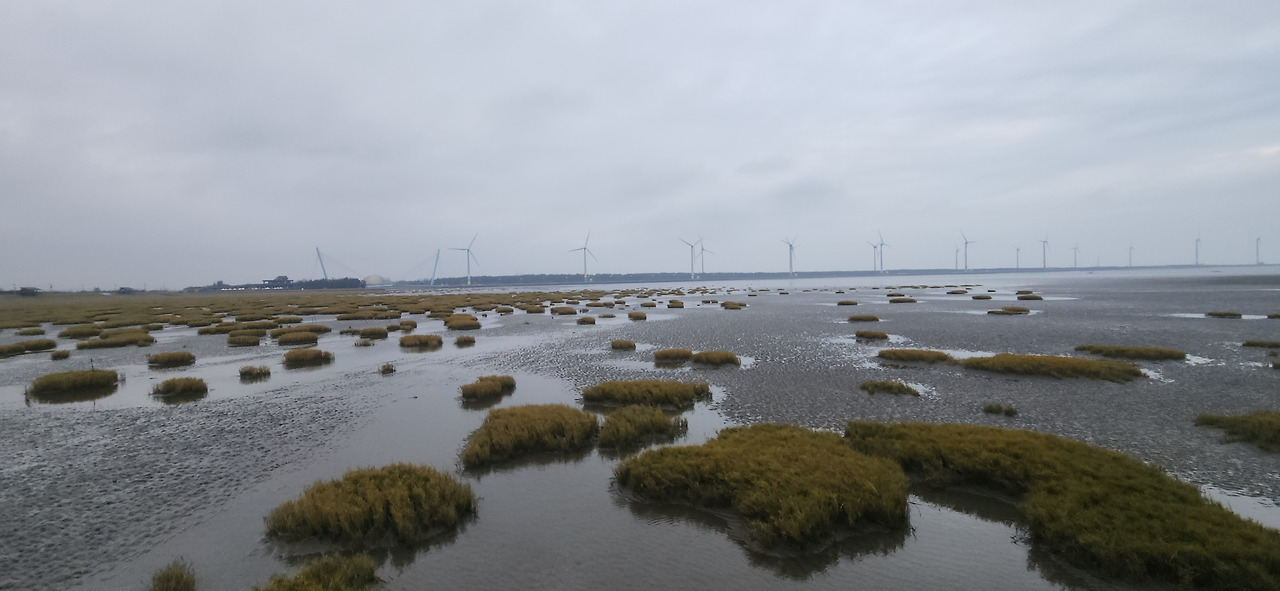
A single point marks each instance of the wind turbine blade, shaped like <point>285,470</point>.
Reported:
<point>473,241</point>
<point>473,257</point>
<point>458,249</point>
<point>593,255</point>
<point>588,240</point>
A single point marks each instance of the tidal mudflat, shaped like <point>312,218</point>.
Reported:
<point>101,493</point>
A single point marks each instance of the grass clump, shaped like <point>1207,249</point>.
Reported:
<point>902,301</point>
<point>30,332</point>
<point>648,304</point>
<point>982,296</point>
<point>1261,428</point>
<point>374,332</point>
<point>243,341</point>
<point>462,322</point>
<point>421,341</point>
<point>80,331</point>
<point>921,355</point>
<point>364,342</point>
<point>1096,508</point>
<point>675,304</point>
<point>650,392</point>
<point>733,305</point>
<point>59,355</point>
<point>306,357</point>
<point>672,355</point>
<point>846,303</point>
<point>630,426</point>
<point>998,408</point>
<point>1121,352</point>
<point>312,328</point>
<point>622,345</point>
<point>587,320</point>
<point>1263,344</point>
<point>887,387</point>
<point>395,504</point>
<point>387,368</point>
<point>637,315</point>
<point>465,340</point>
<point>790,485</point>
<point>488,387</point>
<point>334,572</point>
<point>27,346</point>
<point>180,387</point>
<point>255,372</point>
<point>248,332</point>
<point>298,338</point>
<point>864,318</point>
<point>1226,314</point>
<point>1055,366</point>
<point>72,381</point>
<point>510,432</point>
<point>873,335</point>
<point>177,576</point>
<point>716,358</point>
<point>171,359</point>
<point>563,311</point>
<point>1030,297</point>
<point>1010,311</point>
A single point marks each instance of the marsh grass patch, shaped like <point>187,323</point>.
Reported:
<point>733,305</point>
<point>70,382</point>
<point>563,311</point>
<point>846,303</point>
<point>1261,428</point>
<point>254,372</point>
<point>637,315</point>
<point>488,387</point>
<point>334,572</point>
<point>59,355</point>
<point>630,427</point>
<point>672,356</point>
<point>170,359</point>
<point>871,335</point>
<point>1030,297</point>
<point>902,301</point>
<point>790,485</point>
<point>1262,344</point>
<point>180,389</point>
<point>716,358</point>
<point>176,576</point>
<point>511,432</point>
<point>587,320</point>
<point>915,355</point>
<point>1224,314</point>
<point>306,358</point>
<point>30,332</point>
<point>298,338</point>
<point>864,318</point>
<point>243,341</point>
<point>1129,352</point>
<point>1010,311</point>
<point>887,387</point>
<point>622,345</point>
<point>1096,508</point>
<point>27,346</point>
<point>398,504</point>
<point>421,341</point>
<point>1055,367</point>
<point>982,296</point>
<point>999,408</point>
<point>650,392</point>
<point>465,340</point>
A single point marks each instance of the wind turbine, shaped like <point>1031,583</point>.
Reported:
<point>791,256</point>
<point>434,267</point>
<point>967,242</point>
<point>1044,253</point>
<point>1131,255</point>
<point>875,251</point>
<point>691,255</point>
<point>1017,257</point>
<point>882,245</point>
<point>1257,251</point>
<point>1075,256</point>
<point>1197,250</point>
<point>702,255</point>
<point>470,257</point>
<point>957,258</point>
<point>585,252</point>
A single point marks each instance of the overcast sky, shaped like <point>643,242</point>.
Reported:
<point>179,143</point>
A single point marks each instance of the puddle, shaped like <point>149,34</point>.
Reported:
<point>1261,510</point>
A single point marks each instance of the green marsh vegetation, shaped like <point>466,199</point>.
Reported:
<point>631,426</point>
<point>255,372</point>
<point>118,338</point>
<point>180,389</point>
<point>170,359</point>
<point>563,311</point>
<point>30,332</point>
<point>59,355</point>
<point>510,432</point>
<point>1055,367</point>
<point>649,392</point>
<point>675,304</point>
<point>318,329</point>
<point>982,296</point>
<point>1226,314</point>
<point>1125,352</point>
<point>902,301</point>
<point>504,310</point>
<point>917,355</point>
<point>349,332</point>
<point>387,368</point>
<point>1010,311</point>
<point>298,338</point>
<point>465,340</point>
<point>864,318</point>
<point>488,387</point>
<point>248,332</point>
<point>27,346</point>
<point>1261,428</point>
<point>334,572</point>
<point>69,382</point>
<point>716,358</point>
<point>587,320</point>
<point>637,315</point>
<point>176,576</point>
<point>887,387</point>
<point>306,358</point>
<point>871,335</point>
<point>1030,297</point>
<point>1262,344</point>
<point>999,408</point>
<point>421,341</point>
<point>398,504</point>
<point>287,319</point>
<point>80,331</point>
<point>648,304</point>
<point>672,356</point>
<point>790,485</point>
<point>243,341</point>
<point>408,325</point>
<point>1096,508</point>
<point>622,345</point>
<point>462,322</point>
<point>846,303</point>
<point>373,332</point>
<point>733,305</point>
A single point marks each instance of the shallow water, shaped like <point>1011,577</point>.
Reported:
<point>99,494</point>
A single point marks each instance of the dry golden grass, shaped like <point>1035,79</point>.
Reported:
<point>1010,311</point>
<point>675,304</point>
<point>1125,352</point>
<point>488,387</point>
<point>587,320</point>
<point>733,305</point>
<point>306,357</point>
<point>297,338</point>
<point>864,318</point>
<point>318,329</point>
<point>637,315</point>
<point>80,331</point>
<point>59,355</point>
<point>254,372</point>
<point>982,296</point>
<point>373,332</point>
<point>171,359</point>
<point>672,355</point>
<point>1055,366</point>
<point>650,392</point>
<point>510,432</point>
<point>465,340</point>
<point>902,301</point>
<point>871,335</point>
<point>462,322</point>
<point>30,332</point>
<point>177,576</point>
<point>919,355</point>
<point>1261,428</point>
<point>27,346</point>
<point>887,387</point>
<point>180,387</point>
<point>243,341</point>
<point>421,341</point>
<point>563,311</point>
<point>334,572</point>
<point>399,504</point>
<point>716,358</point>
<point>387,368</point>
<point>71,381</point>
<point>364,342</point>
<point>622,345</point>
<point>1030,297</point>
<point>846,303</point>
<point>631,426</point>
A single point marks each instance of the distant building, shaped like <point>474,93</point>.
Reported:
<point>280,282</point>
<point>28,291</point>
<point>376,281</point>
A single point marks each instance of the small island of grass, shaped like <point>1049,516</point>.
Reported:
<point>510,432</point>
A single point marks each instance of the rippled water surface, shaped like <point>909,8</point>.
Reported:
<point>98,495</point>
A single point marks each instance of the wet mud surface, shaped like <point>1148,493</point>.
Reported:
<point>97,495</point>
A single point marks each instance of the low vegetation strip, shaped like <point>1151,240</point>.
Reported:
<point>71,381</point>
<point>1261,428</point>
<point>1055,367</point>
<point>486,387</point>
<point>790,484</point>
<point>888,387</point>
<point>1224,314</point>
<point>421,341</point>
<point>510,432</point>
<point>305,357</point>
<point>716,358</point>
<point>672,355</point>
<point>180,387</point>
<point>864,318</point>
<point>395,504</point>
<point>1263,344</point>
<point>872,335</point>
<point>650,392</point>
<point>921,355</point>
<point>171,359</point>
<point>622,345</point>
<point>27,346</point>
<point>1097,508</point>
<point>334,572</point>
<point>1123,352</point>
<point>630,426</point>
<point>298,338</point>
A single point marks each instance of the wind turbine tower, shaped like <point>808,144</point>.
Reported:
<point>1075,256</point>
<point>967,242</point>
<point>1257,251</point>
<point>882,245</point>
<point>435,267</point>
<point>791,256</point>
<point>1044,253</point>
<point>702,255</point>
<point>585,252</point>
<point>875,252</point>
<point>1197,250</point>
<point>1130,255</point>
<point>691,255</point>
<point>957,258</point>
<point>321,259</point>
<point>470,257</point>
<point>1017,257</point>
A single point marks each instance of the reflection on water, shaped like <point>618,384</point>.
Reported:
<point>65,397</point>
